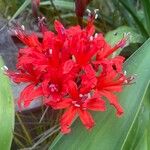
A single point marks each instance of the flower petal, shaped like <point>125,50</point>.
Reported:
<point>28,94</point>
<point>64,103</point>
<point>86,118</point>
<point>19,77</point>
<point>96,104</point>
<point>66,119</point>
<point>68,65</point>
<point>59,27</point>
<point>89,79</point>
<point>73,90</point>
<point>113,101</point>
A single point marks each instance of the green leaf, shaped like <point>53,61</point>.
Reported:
<point>139,135</point>
<point>21,9</point>
<point>6,111</point>
<point>113,37</point>
<point>110,132</point>
<point>58,3</point>
<point>133,13</point>
<point>146,4</point>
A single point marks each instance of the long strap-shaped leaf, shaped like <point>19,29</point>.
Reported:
<point>110,132</point>
<point>6,111</point>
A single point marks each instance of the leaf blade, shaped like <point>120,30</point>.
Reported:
<point>6,111</point>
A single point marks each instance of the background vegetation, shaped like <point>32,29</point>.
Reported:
<point>38,128</point>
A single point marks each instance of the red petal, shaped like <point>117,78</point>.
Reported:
<point>19,77</point>
<point>89,80</point>
<point>28,94</point>
<point>64,103</point>
<point>86,118</point>
<point>67,119</point>
<point>113,101</point>
<point>59,27</point>
<point>73,90</point>
<point>68,65</point>
<point>115,88</point>
<point>47,39</point>
<point>96,104</point>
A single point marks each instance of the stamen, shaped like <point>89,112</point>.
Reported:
<point>22,27</point>
<point>89,95</point>
<point>96,10</point>
<point>15,32</point>
<point>73,58</point>
<point>96,35</point>
<point>125,72</point>
<point>80,95</point>
<point>129,80</point>
<point>53,88</point>
<point>91,38</point>
<point>77,105</point>
<point>4,68</point>
<point>50,51</point>
<point>88,11</point>
<point>96,16</point>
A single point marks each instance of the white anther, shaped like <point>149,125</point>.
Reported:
<point>132,77</point>
<point>80,95</point>
<point>125,72</point>
<point>4,68</point>
<point>96,16</point>
<point>96,35</point>
<point>89,95</point>
<point>77,105</point>
<point>91,38</point>
<point>89,11</point>
<point>96,10</point>
<point>126,81</point>
<point>15,32</point>
<point>50,51</point>
<point>22,27</point>
<point>43,18</point>
<point>53,88</point>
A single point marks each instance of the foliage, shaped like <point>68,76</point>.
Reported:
<point>130,132</point>
<point>6,111</point>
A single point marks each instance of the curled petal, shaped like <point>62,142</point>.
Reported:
<point>68,65</point>
<point>20,77</point>
<point>73,90</point>
<point>28,94</point>
<point>66,119</point>
<point>47,39</point>
<point>113,101</point>
<point>96,104</point>
<point>89,79</point>
<point>64,103</point>
<point>86,118</point>
<point>59,27</point>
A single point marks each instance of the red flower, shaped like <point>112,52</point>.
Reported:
<point>108,83</point>
<point>78,104</point>
<point>32,90</point>
<point>107,50</point>
<point>71,69</point>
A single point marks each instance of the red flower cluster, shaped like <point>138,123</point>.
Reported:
<point>71,69</point>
